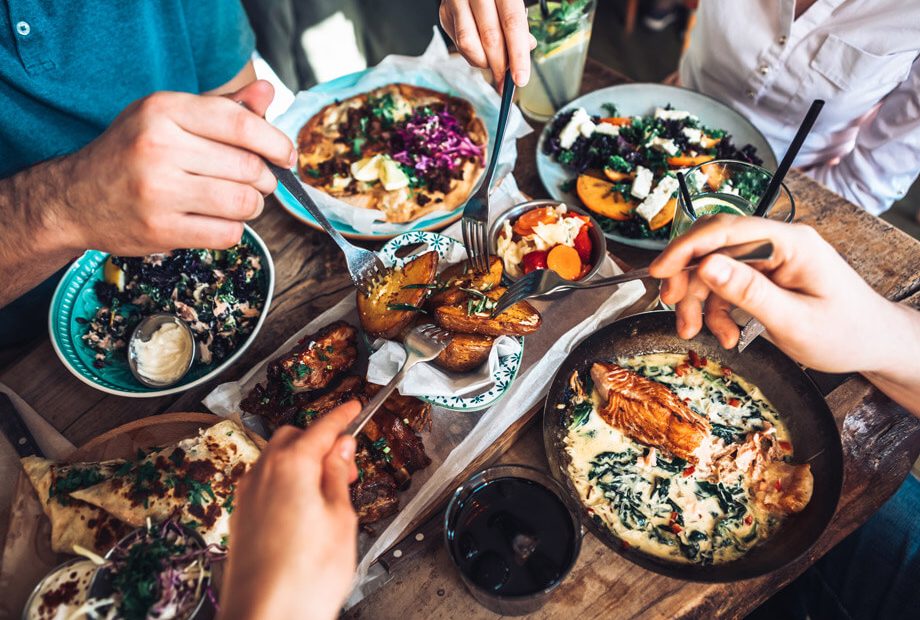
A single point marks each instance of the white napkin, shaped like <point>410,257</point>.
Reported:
<point>435,69</point>
<point>428,380</point>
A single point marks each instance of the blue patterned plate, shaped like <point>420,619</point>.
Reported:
<point>508,366</point>
<point>75,299</point>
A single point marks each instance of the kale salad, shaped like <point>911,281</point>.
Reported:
<point>220,294</point>
<point>623,167</point>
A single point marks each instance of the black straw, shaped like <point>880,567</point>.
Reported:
<point>773,188</point>
<point>685,194</point>
<point>544,9</point>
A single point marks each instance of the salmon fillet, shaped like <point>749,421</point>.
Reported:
<point>648,412</point>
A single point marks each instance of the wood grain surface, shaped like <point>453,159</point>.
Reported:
<point>880,440</point>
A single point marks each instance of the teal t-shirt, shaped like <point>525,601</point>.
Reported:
<point>68,68</point>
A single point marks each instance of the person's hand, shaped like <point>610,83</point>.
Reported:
<point>175,170</point>
<point>814,306</point>
<point>490,34</point>
<point>293,532</point>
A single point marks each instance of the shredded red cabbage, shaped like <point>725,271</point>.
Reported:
<point>430,141</point>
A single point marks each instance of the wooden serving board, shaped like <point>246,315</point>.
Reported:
<point>27,554</point>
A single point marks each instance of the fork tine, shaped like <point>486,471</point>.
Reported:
<point>465,227</point>
<point>484,232</point>
<point>515,293</point>
<point>504,302</point>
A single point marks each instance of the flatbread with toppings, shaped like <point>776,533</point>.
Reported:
<point>401,149</point>
<point>74,522</point>
<point>193,481</point>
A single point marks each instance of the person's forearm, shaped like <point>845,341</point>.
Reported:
<point>900,377</point>
<point>35,237</point>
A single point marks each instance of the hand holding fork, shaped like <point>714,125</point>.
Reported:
<point>475,221</point>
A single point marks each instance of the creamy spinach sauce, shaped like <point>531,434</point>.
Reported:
<point>657,502</point>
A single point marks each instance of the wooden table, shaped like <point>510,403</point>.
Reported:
<point>880,440</point>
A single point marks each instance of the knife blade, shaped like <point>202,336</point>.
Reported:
<point>15,429</point>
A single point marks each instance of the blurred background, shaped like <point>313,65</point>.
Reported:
<point>312,41</point>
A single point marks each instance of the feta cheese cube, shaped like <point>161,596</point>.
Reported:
<point>694,136</point>
<point>655,202</point>
<point>572,129</point>
<point>697,180</point>
<point>587,128</point>
<point>642,184</point>
<point>671,115</point>
<point>665,145</point>
<point>607,129</point>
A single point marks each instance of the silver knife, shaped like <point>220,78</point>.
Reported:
<point>15,429</point>
<point>749,333</point>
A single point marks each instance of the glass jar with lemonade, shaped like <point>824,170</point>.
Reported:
<point>558,61</point>
<point>727,186</point>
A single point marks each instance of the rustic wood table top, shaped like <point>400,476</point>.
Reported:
<point>880,440</point>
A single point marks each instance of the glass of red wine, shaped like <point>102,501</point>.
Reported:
<point>514,537</point>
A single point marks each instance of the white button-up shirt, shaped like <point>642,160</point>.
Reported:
<point>860,56</point>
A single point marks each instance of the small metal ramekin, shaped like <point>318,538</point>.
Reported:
<point>598,241</point>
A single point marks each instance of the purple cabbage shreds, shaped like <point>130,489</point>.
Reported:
<point>427,142</point>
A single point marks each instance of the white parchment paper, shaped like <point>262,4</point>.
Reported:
<point>434,69</point>
<point>458,437</point>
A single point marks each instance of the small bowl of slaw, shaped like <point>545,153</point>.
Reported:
<point>548,234</point>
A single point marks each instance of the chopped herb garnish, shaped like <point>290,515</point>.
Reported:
<point>406,307</point>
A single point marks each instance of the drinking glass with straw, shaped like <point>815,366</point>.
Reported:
<point>563,31</point>
<point>740,188</point>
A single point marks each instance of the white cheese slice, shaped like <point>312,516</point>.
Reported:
<point>694,136</point>
<point>340,182</point>
<point>392,175</point>
<point>587,128</point>
<point>607,129</point>
<point>655,202</point>
<point>642,184</point>
<point>572,129</point>
<point>665,145</point>
<point>367,169</point>
<point>671,115</point>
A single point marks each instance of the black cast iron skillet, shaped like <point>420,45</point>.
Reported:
<point>800,405</point>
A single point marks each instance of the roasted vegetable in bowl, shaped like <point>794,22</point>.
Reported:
<point>545,234</point>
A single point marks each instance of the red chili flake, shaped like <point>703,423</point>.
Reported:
<point>682,369</point>
<point>674,516</point>
<point>748,520</point>
<point>733,402</point>
<point>590,511</point>
<point>676,528</point>
<point>695,360</point>
<point>624,545</point>
<point>727,372</point>
<point>778,485</point>
<point>785,445</point>
<point>689,471</point>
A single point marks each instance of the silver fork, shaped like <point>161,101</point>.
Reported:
<point>545,281</point>
<point>423,343</point>
<point>364,266</point>
<point>476,212</point>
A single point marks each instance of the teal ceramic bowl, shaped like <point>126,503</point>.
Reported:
<point>75,298</point>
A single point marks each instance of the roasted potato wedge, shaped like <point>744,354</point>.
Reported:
<point>465,352</point>
<point>388,309</point>
<point>518,320</point>
<point>461,275</point>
